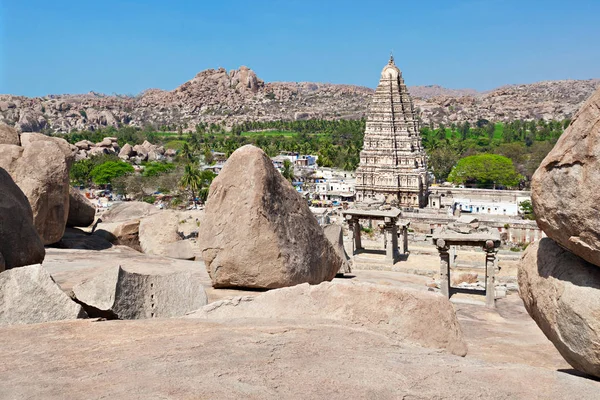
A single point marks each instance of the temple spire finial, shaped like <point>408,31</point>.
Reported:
<point>391,57</point>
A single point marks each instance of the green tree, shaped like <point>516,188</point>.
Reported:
<point>103,174</point>
<point>526,209</point>
<point>80,172</point>
<point>206,178</point>
<point>441,161</point>
<point>485,170</point>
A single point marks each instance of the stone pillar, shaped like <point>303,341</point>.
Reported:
<point>452,253</point>
<point>405,239</point>
<point>490,274</point>
<point>357,241</point>
<point>444,267</point>
<point>391,234</point>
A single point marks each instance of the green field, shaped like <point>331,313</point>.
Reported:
<point>270,133</point>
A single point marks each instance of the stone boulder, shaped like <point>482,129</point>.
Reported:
<point>418,317</point>
<point>117,293</point>
<point>257,230</point>
<point>8,135</point>
<point>29,295</point>
<point>41,169</point>
<point>561,292</point>
<point>157,231</point>
<point>565,189</point>
<point>20,243</point>
<point>81,211</point>
<point>129,210</point>
<point>125,233</point>
<point>181,250</point>
<point>335,235</point>
<point>126,152</point>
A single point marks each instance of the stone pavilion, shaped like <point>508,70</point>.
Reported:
<point>393,162</point>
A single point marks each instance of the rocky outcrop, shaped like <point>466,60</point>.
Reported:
<point>117,293</point>
<point>81,211</point>
<point>40,167</point>
<point>157,231</point>
<point>257,230</point>
<point>20,243</point>
<point>335,235</point>
<point>29,295</point>
<point>405,314</point>
<point>219,96</point>
<point>561,292</point>
<point>566,187</point>
<point>8,135</point>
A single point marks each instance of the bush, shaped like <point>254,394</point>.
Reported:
<point>149,199</point>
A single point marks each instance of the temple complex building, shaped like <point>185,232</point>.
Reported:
<point>393,162</point>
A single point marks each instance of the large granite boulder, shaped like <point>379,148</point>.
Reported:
<point>20,243</point>
<point>565,189</point>
<point>423,318</point>
<point>118,293</point>
<point>335,235</point>
<point>29,295</point>
<point>258,232</point>
<point>157,231</point>
<point>81,211</point>
<point>8,135</point>
<point>40,167</point>
<point>561,292</point>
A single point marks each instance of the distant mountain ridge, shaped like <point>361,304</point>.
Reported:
<point>218,96</point>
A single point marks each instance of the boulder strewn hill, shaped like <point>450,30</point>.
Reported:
<point>216,96</point>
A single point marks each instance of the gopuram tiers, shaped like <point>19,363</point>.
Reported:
<point>393,162</point>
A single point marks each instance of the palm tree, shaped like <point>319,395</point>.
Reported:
<point>288,170</point>
<point>206,178</point>
<point>191,180</point>
<point>187,153</point>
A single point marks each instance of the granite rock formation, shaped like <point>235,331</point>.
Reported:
<point>257,230</point>
<point>8,135</point>
<point>118,293</point>
<point>81,211</point>
<point>561,292</point>
<point>406,314</point>
<point>20,243</point>
<point>565,194</point>
<point>334,233</point>
<point>40,167</point>
<point>219,96</point>
<point>29,295</point>
<point>159,230</point>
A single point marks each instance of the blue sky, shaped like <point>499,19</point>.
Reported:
<point>129,46</point>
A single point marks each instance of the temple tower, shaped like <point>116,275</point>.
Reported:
<point>393,162</point>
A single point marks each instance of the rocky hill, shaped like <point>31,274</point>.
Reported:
<point>218,96</point>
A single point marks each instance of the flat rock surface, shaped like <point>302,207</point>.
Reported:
<point>183,359</point>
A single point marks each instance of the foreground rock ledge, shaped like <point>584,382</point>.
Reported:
<point>258,232</point>
<point>191,358</point>
<point>422,318</point>
<point>565,189</point>
<point>29,295</point>
<point>561,293</point>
